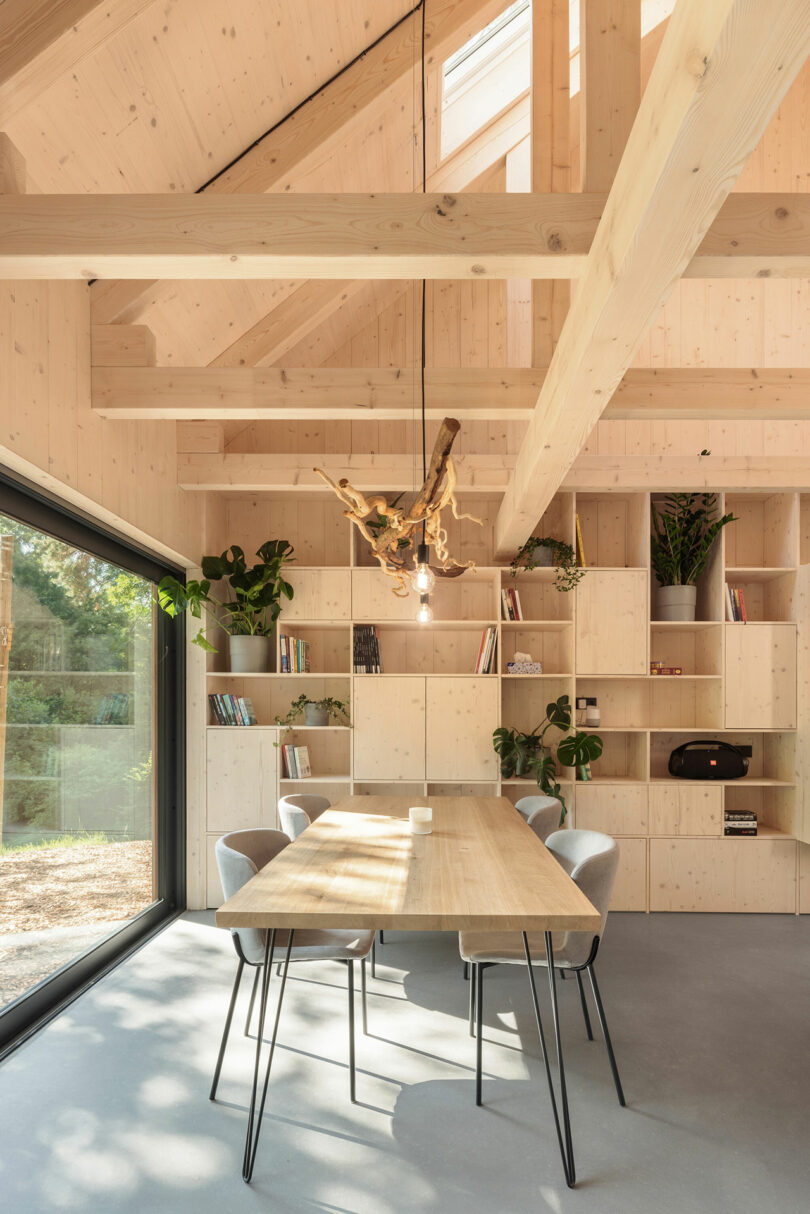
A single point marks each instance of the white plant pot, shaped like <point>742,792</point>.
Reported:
<point>249,655</point>
<point>676,603</point>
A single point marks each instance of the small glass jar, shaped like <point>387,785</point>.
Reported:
<point>593,716</point>
<point>582,704</point>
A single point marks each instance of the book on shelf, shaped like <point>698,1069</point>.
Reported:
<point>302,762</point>
<point>739,822</point>
<point>510,604</point>
<point>288,761</point>
<point>295,655</point>
<point>732,830</point>
<point>735,604</point>
<point>487,650</point>
<point>366,655</point>
<point>580,546</point>
<point>229,709</point>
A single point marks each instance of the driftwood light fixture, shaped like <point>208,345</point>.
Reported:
<point>392,543</point>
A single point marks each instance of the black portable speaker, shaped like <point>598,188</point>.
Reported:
<point>708,760</point>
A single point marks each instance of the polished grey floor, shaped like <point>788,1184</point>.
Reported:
<point>106,1110</point>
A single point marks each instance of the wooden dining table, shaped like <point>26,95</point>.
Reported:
<point>358,866</point>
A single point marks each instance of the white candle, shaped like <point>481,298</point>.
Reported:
<point>421,817</point>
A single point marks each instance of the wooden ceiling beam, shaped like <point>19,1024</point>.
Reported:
<point>117,346</point>
<point>382,236</point>
<point>249,473</point>
<point>12,167</point>
<point>145,393</point>
<point>319,128</point>
<point>690,140</point>
<point>42,39</point>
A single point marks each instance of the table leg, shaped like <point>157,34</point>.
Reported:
<point>255,1123</point>
<point>563,1132</point>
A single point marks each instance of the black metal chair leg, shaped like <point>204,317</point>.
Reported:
<point>250,1150</point>
<point>479,1017</point>
<point>472,1000</point>
<point>566,1146</point>
<point>252,999</point>
<point>600,1011</point>
<point>466,971</point>
<point>382,938</point>
<point>373,957</point>
<point>363,995</point>
<point>350,965</point>
<point>588,1028</point>
<point>240,967</point>
<point>250,1158</point>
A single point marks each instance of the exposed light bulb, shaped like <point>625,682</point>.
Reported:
<point>424,578</point>
<point>425,613</point>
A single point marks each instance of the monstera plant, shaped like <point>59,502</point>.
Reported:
<point>526,754</point>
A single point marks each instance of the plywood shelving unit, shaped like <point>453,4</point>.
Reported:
<point>424,726</point>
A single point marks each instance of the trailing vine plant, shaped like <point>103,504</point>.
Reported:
<point>563,558</point>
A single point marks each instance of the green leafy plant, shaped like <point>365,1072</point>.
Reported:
<point>526,754</point>
<point>339,709</point>
<point>684,529</point>
<point>256,592</point>
<point>563,557</point>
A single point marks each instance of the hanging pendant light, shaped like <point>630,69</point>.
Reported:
<point>424,578</point>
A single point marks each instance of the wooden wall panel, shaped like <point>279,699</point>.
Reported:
<point>123,473</point>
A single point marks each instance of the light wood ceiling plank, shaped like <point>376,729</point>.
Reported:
<point>688,144</point>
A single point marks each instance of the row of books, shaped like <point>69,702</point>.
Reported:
<point>114,709</point>
<point>740,822</point>
<point>295,762</point>
<point>660,668</point>
<point>487,651</point>
<point>367,650</point>
<point>294,655</point>
<point>232,710</point>
<point>735,604</point>
<point>510,604</point>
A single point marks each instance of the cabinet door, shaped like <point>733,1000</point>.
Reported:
<point>241,779</point>
<point>612,615</point>
<point>615,809</point>
<point>389,728</point>
<point>760,676</point>
<point>680,808</point>
<point>730,875</point>
<point>461,715</point>
<point>630,890</point>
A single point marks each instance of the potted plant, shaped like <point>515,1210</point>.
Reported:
<point>249,615</point>
<point>525,754</point>
<point>545,552</point>
<point>684,528</point>
<point>315,712</point>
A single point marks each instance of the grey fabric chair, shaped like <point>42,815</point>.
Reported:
<point>298,811</point>
<point>590,859</point>
<point>240,855</point>
<point>545,819</point>
<point>529,805</point>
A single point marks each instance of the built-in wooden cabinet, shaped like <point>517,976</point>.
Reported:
<point>389,728</point>
<point>424,726</point>
<point>461,715</point>
<point>760,676</point>
<point>612,622</point>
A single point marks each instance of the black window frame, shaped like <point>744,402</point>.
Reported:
<point>29,504</point>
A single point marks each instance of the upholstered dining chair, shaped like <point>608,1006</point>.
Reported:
<point>590,859</point>
<point>299,810</point>
<point>240,855</point>
<point>545,819</point>
<point>530,805</point>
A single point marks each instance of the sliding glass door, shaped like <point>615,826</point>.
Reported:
<point>85,805</point>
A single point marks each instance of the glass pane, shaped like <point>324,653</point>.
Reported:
<point>77,804</point>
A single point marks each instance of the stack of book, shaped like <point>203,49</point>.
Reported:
<point>294,655</point>
<point>735,604</point>
<point>510,604</point>
<point>660,668</point>
<point>114,709</point>
<point>367,650</point>
<point>740,822</point>
<point>232,710</point>
<point>486,651</point>
<point>295,761</point>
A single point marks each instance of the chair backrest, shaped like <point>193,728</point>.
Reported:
<point>529,805</point>
<point>298,811</point>
<point>545,820</point>
<point>240,855</point>
<point>591,859</point>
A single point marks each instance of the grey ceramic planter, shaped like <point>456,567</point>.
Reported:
<point>313,715</point>
<point>249,655</point>
<point>676,603</point>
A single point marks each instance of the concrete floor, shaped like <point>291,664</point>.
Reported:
<point>106,1110</point>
